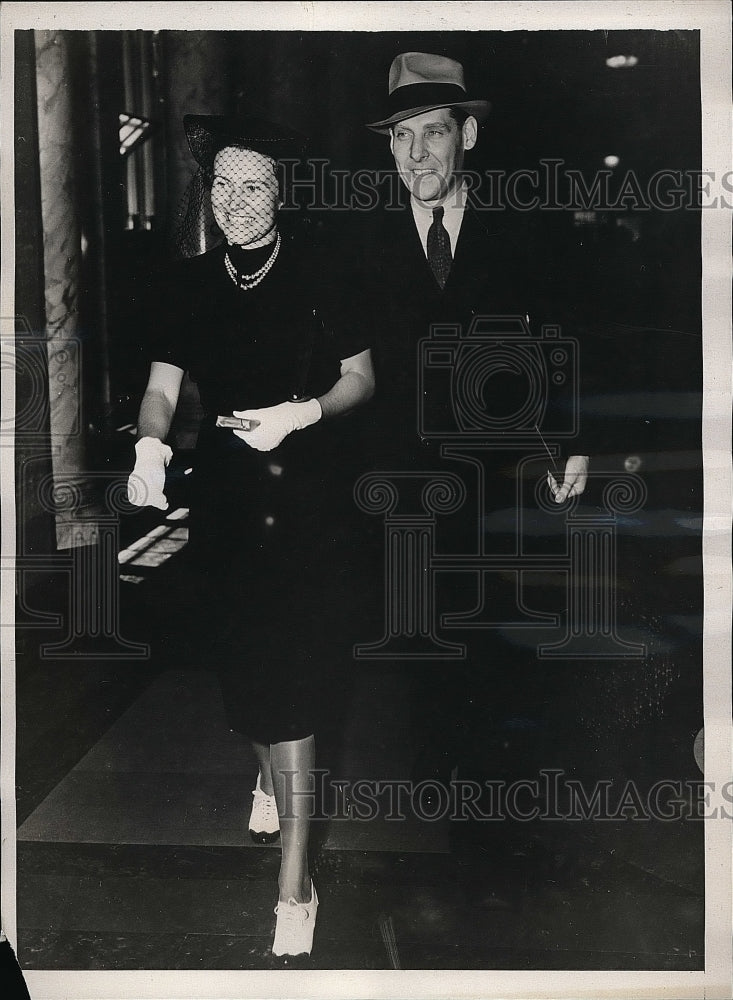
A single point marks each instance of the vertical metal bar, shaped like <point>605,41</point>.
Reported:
<point>127,69</point>
<point>158,118</point>
<point>135,156</point>
<point>146,150</point>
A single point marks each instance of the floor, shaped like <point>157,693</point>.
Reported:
<point>133,801</point>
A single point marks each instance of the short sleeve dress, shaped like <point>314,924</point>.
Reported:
<point>269,531</point>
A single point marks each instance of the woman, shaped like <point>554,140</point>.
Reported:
<point>247,321</point>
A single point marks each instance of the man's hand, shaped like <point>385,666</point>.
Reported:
<point>276,422</point>
<point>147,479</point>
<point>576,476</point>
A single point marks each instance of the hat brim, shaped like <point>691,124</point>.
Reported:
<point>207,134</point>
<point>477,109</point>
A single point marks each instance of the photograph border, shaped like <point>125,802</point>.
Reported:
<point>713,19</point>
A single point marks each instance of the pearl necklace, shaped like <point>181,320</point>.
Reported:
<point>247,281</point>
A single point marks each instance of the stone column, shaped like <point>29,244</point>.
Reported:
<point>61,264</point>
<point>36,528</point>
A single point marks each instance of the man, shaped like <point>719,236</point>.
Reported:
<point>434,262</point>
<point>439,262</point>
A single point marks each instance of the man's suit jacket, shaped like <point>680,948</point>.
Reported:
<point>397,297</point>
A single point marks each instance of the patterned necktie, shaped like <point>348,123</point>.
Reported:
<point>439,255</point>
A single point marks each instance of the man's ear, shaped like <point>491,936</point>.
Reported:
<point>470,132</point>
<point>391,141</point>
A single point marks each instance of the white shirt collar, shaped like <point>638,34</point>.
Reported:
<point>454,207</point>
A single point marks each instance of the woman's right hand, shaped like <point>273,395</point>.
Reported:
<point>272,424</point>
<point>147,480</point>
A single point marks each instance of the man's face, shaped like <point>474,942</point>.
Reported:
<point>244,194</point>
<point>428,150</point>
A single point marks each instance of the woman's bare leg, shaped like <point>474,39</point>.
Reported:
<point>292,763</point>
<point>262,753</point>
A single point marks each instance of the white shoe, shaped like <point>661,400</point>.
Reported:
<point>264,825</point>
<point>295,925</point>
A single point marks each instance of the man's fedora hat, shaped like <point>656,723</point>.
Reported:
<point>419,81</point>
<point>207,134</point>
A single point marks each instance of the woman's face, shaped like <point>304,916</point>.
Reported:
<point>244,195</point>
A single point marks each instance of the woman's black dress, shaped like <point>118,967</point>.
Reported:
<point>269,531</point>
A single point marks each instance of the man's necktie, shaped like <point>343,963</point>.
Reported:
<point>439,255</point>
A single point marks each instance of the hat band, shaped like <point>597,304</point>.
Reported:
<point>417,95</point>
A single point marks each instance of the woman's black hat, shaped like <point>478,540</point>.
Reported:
<point>207,134</point>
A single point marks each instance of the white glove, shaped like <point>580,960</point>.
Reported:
<point>576,477</point>
<point>276,422</point>
<point>147,479</point>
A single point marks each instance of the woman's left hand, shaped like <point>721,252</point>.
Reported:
<point>276,422</point>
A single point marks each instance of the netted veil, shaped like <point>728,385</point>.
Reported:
<point>193,229</point>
